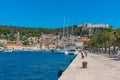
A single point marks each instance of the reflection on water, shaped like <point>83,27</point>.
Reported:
<point>30,65</point>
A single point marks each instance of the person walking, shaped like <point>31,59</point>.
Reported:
<point>85,53</point>
<point>118,54</point>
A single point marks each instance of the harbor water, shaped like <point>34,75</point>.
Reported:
<point>32,65</point>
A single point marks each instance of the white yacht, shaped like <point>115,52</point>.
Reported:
<point>8,50</point>
<point>58,50</point>
<point>71,52</point>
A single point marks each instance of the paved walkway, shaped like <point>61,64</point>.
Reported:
<point>99,68</point>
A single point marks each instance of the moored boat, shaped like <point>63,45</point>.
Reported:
<point>71,52</point>
<point>8,50</point>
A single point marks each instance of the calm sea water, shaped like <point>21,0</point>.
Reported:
<point>32,65</point>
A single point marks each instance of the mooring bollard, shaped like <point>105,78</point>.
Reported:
<point>60,72</point>
<point>84,63</point>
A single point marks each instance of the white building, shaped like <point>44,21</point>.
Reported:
<point>49,36</point>
<point>31,47</point>
<point>22,47</point>
<point>1,48</point>
<point>3,41</point>
<point>13,46</point>
<point>89,25</point>
<point>33,40</point>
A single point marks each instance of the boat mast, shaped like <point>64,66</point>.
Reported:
<point>63,33</point>
<point>67,31</point>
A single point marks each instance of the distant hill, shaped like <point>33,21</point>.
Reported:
<point>10,31</point>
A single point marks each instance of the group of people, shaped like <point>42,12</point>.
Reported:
<point>84,53</point>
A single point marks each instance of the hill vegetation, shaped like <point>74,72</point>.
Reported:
<point>9,32</point>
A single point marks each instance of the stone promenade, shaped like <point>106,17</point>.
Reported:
<point>99,67</point>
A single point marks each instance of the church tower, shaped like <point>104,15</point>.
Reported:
<point>17,38</point>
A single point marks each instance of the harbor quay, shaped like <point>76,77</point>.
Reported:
<point>98,67</point>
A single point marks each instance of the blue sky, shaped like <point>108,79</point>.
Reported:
<point>51,13</point>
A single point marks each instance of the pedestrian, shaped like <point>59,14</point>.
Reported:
<point>82,55</point>
<point>85,53</point>
<point>118,54</point>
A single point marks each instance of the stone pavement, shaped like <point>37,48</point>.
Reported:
<point>99,67</point>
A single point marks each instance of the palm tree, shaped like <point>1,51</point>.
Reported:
<point>106,39</point>
<point>118,38</point>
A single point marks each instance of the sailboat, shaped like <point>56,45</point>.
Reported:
<point>69,50</point>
